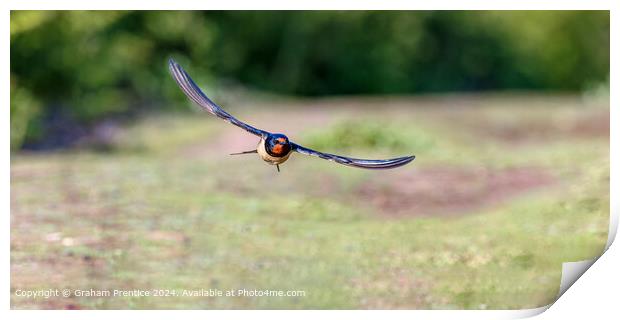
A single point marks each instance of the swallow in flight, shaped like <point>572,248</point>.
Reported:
<point>273,148</point>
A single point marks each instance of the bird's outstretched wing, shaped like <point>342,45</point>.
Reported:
<point>193,92</point>
<point>360,163</point>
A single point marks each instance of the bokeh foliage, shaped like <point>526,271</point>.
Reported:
<point>87,65</point>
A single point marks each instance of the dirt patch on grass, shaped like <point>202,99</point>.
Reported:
<point>592,125</point>
<point>596,125</point>
<point>450,190</point>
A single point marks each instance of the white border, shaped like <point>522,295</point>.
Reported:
<point>592,294</point>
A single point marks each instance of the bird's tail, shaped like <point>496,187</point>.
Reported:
<point>244,152</point>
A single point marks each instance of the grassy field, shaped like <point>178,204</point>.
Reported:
<point>503,190</point>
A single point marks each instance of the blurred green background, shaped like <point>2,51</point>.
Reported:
<point>80,67</point>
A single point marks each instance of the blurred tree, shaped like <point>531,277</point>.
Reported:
<point>88,65</point>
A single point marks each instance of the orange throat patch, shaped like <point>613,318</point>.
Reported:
<point>277,150</point>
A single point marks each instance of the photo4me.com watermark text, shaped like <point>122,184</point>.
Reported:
<point>128,293</point>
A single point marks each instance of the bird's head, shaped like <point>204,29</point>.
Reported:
<point>277,145</point>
